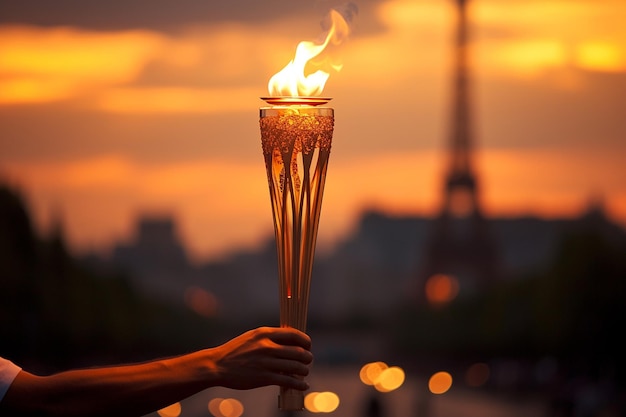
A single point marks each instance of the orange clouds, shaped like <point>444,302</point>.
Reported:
<point>141,91</point>
<point>535,36</point>
<point>187,73</point>
<point>601,56</point>
<point>38,65</point>
<point>552,182</point>
<point>143,71</point>
<point>222,205</point>
<point>178,100</point>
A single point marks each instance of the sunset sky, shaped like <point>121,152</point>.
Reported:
<point>111,110</point>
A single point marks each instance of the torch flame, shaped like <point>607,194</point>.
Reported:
<point>291,81</point>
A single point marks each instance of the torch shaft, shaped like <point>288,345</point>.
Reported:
<point>296,145</point>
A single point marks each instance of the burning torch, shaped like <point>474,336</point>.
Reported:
<point>296,136</point>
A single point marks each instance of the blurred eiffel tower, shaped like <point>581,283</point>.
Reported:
<point>460,246</point>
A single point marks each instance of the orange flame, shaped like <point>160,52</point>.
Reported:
<point>291,81</point>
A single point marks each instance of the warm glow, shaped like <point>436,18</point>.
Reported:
<point>441,288</point>
<point>477,375</point>
<point>70,53</point>
<point>225,407</point>
<point>98,126</point>
<point>553,35</point>
<point>371,371</point>
<point>40,64</point>
<point>321,402</point>
<point>297,78</point>
<point>601,56</point>
<point>440,383</point>
<point>381,376</point>
<point>33,89</point>
<point>531,56</point>
<point>412,15</point>
<point>231,407</point>
<point>214,407</point>
<point>201,301</point>
<point>161,100</point>
<point>99,198</point>
<point>309,402</point>
<point>170,411</point>
<point>390,379</point>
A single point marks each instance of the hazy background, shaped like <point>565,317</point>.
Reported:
<point>111,110</point>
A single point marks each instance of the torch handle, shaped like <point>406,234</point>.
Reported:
<point>290,399</point>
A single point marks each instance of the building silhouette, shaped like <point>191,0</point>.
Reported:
<point>156,258</point>
<point>239,288</point>
<point>460,245</point>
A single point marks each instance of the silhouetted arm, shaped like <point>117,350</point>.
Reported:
<point>260,357</point>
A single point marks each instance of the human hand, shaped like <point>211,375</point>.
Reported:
<point>264,356</point>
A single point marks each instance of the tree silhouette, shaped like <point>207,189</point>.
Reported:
<point>57,313</point>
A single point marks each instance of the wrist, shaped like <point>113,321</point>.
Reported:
<point>206,370</point>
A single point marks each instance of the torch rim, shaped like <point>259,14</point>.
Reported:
<point>295,100</point>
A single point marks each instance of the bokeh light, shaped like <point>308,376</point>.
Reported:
<point>441,288</point>
<point>371,371</point>
<point>226,407</point>
<point>309,401</point>
<point>390,379</point>
<point>321,402</point>
<point>381,376</point>
<point>214,407</point>
<point>440,382</point>
<point>231,407</point>
<point>201,301</point>
<point>173,410</point>
<point>477,374</point>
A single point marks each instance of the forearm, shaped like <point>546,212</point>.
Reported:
<point>260,357</point>
<point>131,390</point>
